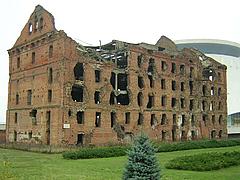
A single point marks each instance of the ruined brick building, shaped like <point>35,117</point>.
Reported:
<point>61,92</point>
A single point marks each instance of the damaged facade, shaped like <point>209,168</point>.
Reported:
<point>61,92</point>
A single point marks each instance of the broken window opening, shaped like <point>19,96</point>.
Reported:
<point>173,70</point>
<point>140,82</point>
<point>164,100</point>
<point>122,82</point>
<point>164,119</point>
<point>182,69</point>
<point>219,76</point>
<point>97,97</point>
<point>48,118</point>
<point>164,135</point>
<point>174,102</point>
<point>97,75</point>
<point>41,23</point>
<point>212,91</point>
<point>123,99</point>
<point>33,57</point>
<point>174,119</point>
<point>220,134</point>
<point>174,135</point>
<point>18,62</point>
<point>30,28</point>
<point>220,119</point>
<point>193,135</point>
<point>50,75</point>
<point>127,118</point>
<point>153,120</point>
<point>174,86</point>
<point>163,65</point>
<point>219,105</point>
<point>191,72</point>
<point>183,120</point>
<point>204,105</point>
<point>204,90</point>
<point>80,117</point>
<point>204,118</point>
<point>211,106</point>
<point>140,60</point>
<point>50,51</point>
<point>182,86</point>
<point>150,101</point>
<point>77,93</point>
<point>140,99</point>
<point>29,97</point>
<point>213,134</point>
<point>191,104</point>
<point>98,119</point>
<point>33,115</point>
<point>16,118</point>
<point>151,81</point>
<point>49,95</point>
<point>80,139</point>
<point>113,99</point>
<point>183,136</point>
<point>163,84</point>
<point>113,118</point>
<point>79,71</point>
<point>122,60</point>
<point>140,119</point>
<point>191,87</point>
<point>69,113</point>
<point>151,64</point>
<point>182,102</point>
<point>30,135</point>
<point>213,119</point>
<point>192,120</point>
<point>219,91</point>
<point>113,80</point>
<point>17,99</point>
<point>161,48</point>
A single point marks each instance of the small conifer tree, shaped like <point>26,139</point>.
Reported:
<point>142,162</point>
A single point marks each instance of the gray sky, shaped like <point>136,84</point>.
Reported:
<point>128,20</point>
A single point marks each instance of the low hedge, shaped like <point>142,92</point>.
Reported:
<point>115,151</point>
<point>201,144</point>
<point>96,152</point>
<point>205,161</point>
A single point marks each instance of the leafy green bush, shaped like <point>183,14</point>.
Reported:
<point>97,152</point>
<point>205,161</point>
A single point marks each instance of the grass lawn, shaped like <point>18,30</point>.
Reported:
<point>28,165</point>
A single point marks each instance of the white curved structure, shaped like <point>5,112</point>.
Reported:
<point>227,53</point>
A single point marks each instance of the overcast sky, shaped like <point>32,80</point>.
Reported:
<point>128,20</point>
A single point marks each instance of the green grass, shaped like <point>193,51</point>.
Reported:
<point>28,165</point>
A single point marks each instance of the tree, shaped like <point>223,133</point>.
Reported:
<point>142,162</point>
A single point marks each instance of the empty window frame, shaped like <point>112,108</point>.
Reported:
<point>174,86</point>
<point>204,118</point>
<point>174,119</point>
<point>140,119</point>
<point>151,81</point>
<point>77,93</point>
<point>182,86</point>
<point>98,119</point>
<point>30,28</point>
<point>153,119</point>
<point>212,91</point>
<point>150,101</point>
<point>182,102</point>
<point>163,84</point>
<point>122,81</point>
<point>80,139</point>
<point>17,99</point>
<point>182,69</point>
<point>127,118</point>
<point>193,120</point>
<point>219,91</point>
<point>183,120</point>
<point>191,72</point>
<point>204,90</point>
<point>15,117</point>
<point>191,104</point>
<point>174,69</point>
<point>174,102</point>
<point>204,105</point>
<point>33,115</point>
<point>18,62</point>
<point>33,57</point>
<point>79,71</point>
<point>191,87</point>
<point>164,134</point>
<point>140,82</point>
<point>163,65</point>
<point>41,23</point>
<point>50,51</point>
<point>80,117</point>
<point>113,118</point>
<point>164,119</point>
<point>29,97</point>
<point>140,99</point>
<point>219,105</point>
<point>97,97</point>
<point>151,64</point>
<point>140,60</point>
<point>220,120</point>
<point>49,95</point>
<point>164,100</point>
<point>213,119</point>
<point>50,75</point>
<point>97,75</point>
